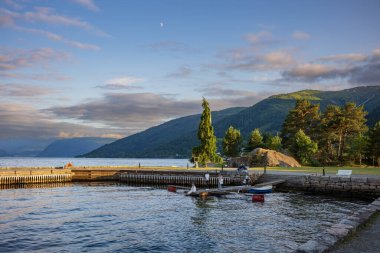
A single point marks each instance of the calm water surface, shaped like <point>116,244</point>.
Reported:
<point>58,162</point>
<point>111,217</point>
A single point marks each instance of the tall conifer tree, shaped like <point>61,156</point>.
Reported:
<point>206,151</point>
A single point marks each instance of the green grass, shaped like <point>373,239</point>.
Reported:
<point>328,170</point>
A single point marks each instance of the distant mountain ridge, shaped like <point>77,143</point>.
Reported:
<point>73,147</point>
<point>4,153</point>
<point>175,139</point>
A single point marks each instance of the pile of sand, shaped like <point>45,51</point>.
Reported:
<point>262,157</point>
<point>274,158</point>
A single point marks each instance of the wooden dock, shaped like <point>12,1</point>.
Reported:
<point>33,176</point>
<point>10,176</point>
<point>272,183</point>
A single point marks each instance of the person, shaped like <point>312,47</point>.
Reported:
<point>246,179</point>
<point>207,177</point>
<point>193,189</point>
<point>220,181</point>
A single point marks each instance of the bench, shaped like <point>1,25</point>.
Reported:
<point>344,173</point>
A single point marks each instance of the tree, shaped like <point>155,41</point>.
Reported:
<point>305,116</point>
<point>232,142</point>
<point>374,144</point>
<point>255,139</point>
<point>305,148</point>
<point>206,151</point>
<point>338,126</point>
<point>274,142</point>
<point>357,147</point>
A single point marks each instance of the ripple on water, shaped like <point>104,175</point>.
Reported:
<point>114,217</point>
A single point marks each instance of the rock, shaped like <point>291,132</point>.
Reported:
<point>262,157</point>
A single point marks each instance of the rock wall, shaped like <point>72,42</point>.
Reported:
<point>354,186</point>
<point>363,187</point>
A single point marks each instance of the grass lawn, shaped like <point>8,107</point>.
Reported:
<point>328,170</point>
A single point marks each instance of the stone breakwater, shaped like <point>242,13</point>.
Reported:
<point>354,186</point>
<point>331,236</point>
<point>362,187</point>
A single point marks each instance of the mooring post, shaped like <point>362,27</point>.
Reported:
<point>187,165</point>
<point>139,165</point>
<point>323,171</point>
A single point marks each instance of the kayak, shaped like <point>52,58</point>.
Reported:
<point>264,189</point>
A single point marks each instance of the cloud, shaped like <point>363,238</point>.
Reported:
<point>368,74</point>
<point>174,46</point>
<point>57,37</point>
<point>344,57</point>
<point>20,90</point>
<point>271,61</point>
<point>357,70</point>
<point>49,16</point>
<point>48,76</point>
<point>27,122</point>
<point>376,53</point>
<point>181,72</point>
<point>11,59</point>
<point>6,21</point>
<point>89,4</point>
<point>124,82</point>
<point>13,4</point>
<point>135,111</point>
<point>221,97</point>
<point>299,35</point>
<point>262,37</point>
<point>310,71</point>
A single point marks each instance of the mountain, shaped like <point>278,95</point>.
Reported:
<point>3,153</point>
<point>173,139</point>
<point>73,147</point>
<point>177,137</point>
<point>24,147</point>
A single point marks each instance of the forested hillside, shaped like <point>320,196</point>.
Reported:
<point>177,137</point>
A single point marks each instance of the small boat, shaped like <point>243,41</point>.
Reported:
<point>258,198</point>
<point>261,190</point>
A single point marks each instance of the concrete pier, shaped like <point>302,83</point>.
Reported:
<point>14,176</point>
<point>150,176</point>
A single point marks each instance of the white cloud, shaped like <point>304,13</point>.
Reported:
<point>89,4</point>
<point>299,35</point>
<point>124,81</point>
<point>260,37</point>
<point>345,57</point>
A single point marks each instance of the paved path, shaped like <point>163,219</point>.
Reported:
<point>366,239</point>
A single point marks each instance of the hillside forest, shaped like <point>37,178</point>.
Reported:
<point>338,136</point>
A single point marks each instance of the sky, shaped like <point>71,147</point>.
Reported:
<point>79,68</point>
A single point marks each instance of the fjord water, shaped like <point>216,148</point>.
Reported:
<point>114,217</point>
<point>59,162</point>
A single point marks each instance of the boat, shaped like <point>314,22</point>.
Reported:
<point>261,190</point>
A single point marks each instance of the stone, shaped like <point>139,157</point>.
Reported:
<point>340,233</point>
<point>312,246</point>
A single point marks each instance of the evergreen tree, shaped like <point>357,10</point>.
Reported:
<point>357,147</point>
<point>338,126</point>
<point>232,142</point>
<point>206,151</point>
<point>255,139</point>
<point>305,148</point>
<point>274,142</point>
<point>374,144</point>
<point>305,116</point>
